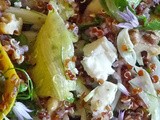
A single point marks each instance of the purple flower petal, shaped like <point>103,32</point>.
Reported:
<point>121,115</point>
<point>156,1</point>
<point>125,25</point>
<point>125,16</point>
<point>21,111</point>
<point>123,89</point>
<point>130,18</point>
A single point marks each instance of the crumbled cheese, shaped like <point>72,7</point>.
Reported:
<point>99,57</point>
<point>9,24</point>
<point>18,4</point>
<point>104,96</point>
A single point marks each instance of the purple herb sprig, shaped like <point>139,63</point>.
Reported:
<point>131,21</point>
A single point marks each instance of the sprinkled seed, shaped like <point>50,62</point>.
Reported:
<point>140,73</point>
<point>94,30</point>
<point>129,66</point>
<point>66,62</point>
<point>70,75</point>
<point>137,90</point>
<point>92,15</point>
<point>100,33</point>
<point>155,78</point>
<point>49,7</point>
<point>14,92</point>
<point>108,108</point>
<point>152,67</point>
<point>71,27</point>
<point>127,74</point>
<point>124,47</point>
<point>100,82</point>
<point>74,59</point>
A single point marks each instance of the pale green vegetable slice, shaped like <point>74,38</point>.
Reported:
<point>28,16</point>
<point>148,94</point>
<point>53,46</point>
<point>123,40</point>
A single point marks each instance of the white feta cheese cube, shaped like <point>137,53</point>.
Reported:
<point>101,97</point>
<point>99,57</point>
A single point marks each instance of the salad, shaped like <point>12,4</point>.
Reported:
<point>80,59</point>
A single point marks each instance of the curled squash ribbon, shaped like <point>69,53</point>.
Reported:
<point>11,83</point>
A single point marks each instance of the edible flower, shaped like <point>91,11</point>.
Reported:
<point>121,115</point>
<point>156,1</point>
<point>123,89</point>
<point>130,19</point>
<point>21,111</point>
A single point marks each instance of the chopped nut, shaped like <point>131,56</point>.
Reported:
<point>9,24</point>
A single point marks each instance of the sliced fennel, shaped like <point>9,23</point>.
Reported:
<point>123,40</point>
<point>53,46</point>
<point>148,94</point>
<point>156,72</point>
<point>64,8</point>
<point>80,87</point>
<point>28,16</point>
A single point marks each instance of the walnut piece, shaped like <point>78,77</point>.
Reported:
<point>9,24</point>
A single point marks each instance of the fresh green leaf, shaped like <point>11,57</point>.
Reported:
<point>23,87</point>
<point>121,4</point>
<point>157,10</point>
<point>133,3</point>
<point>103,4</point>
<point>142,19</point>
<point>153,25</point>
<point>29,93</point>
<point>71,100</point>
<point>22,39</point>
<point>96,21</point>
<point>113,6</point>
<point>113,9</point>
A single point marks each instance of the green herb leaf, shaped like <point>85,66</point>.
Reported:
<point>71,100</point>
<point>96,21</point>
<point>121,4</point>
<point>22,39</point>
<point>153,25</point>
<point>142,19</point>
<point>29,94</point>
<point>133,3</point>
<point>23,87</point>
<point>157,10</point>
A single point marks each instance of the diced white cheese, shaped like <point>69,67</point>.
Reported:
<point>99,57</point>
<point>18,4</point>
<point>102,96</point>
<point>9,24</point>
